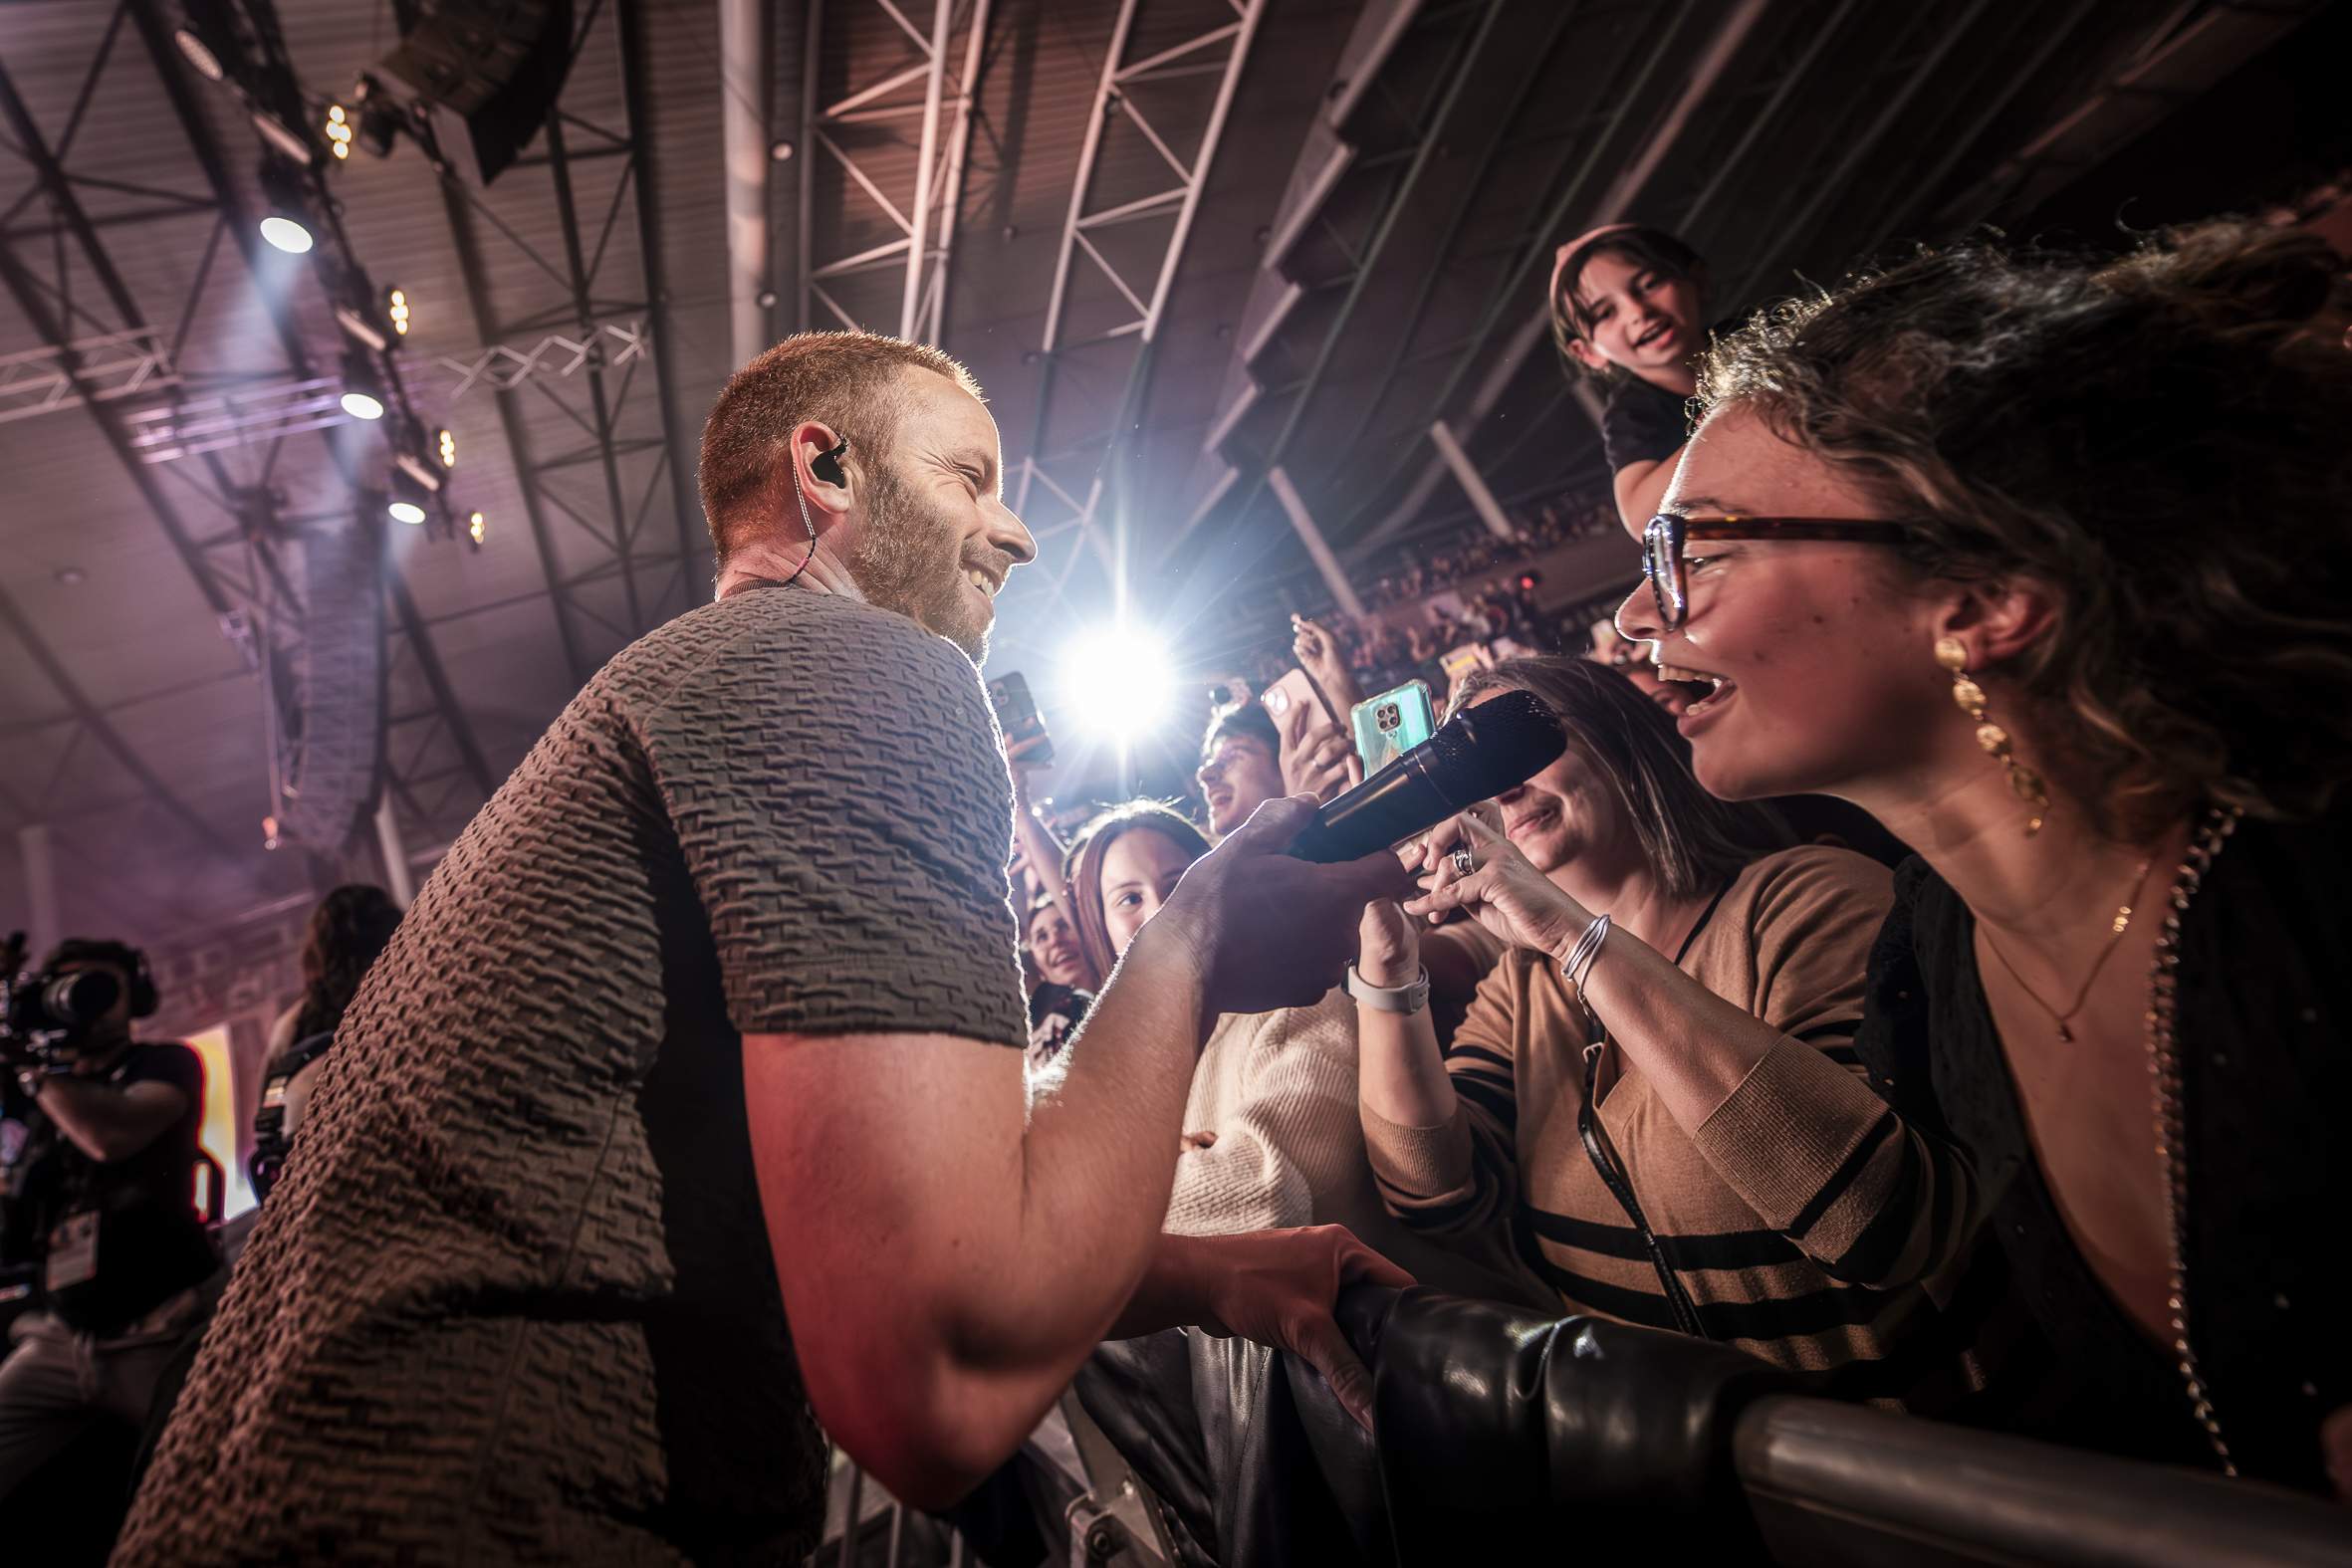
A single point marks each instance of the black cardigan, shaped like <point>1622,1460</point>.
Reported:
<point>2264,1000</point>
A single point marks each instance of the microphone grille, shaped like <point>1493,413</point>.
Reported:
<point>1495,746</point>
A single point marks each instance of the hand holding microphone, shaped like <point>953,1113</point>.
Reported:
<point>1474,755</point>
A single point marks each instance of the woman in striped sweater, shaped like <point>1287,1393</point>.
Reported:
<point>1642,1177</point>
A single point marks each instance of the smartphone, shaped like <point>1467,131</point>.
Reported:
<point>1293,703</point>
<point>1016,713</point>
<point>1391,724</point>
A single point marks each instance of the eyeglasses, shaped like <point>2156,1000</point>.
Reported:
<point>1661,548</point>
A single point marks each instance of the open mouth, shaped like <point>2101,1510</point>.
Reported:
<point>987,584</point>
<point>1652,333</point>
<point>1707,691</point>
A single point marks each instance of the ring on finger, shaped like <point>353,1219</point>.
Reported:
<point>1464,860</point>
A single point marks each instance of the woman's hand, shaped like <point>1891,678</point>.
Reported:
<point>1503,890</point>
<point>1317,653</point>
<point>1323,764</point>
<point>1388,948</point>
<point>1277,1287</point>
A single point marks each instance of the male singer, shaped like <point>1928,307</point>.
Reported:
<point>686,1110</point>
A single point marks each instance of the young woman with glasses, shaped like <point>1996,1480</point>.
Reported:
<point>2041,563</point>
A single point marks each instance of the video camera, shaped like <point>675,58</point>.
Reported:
<point>44,1012</point>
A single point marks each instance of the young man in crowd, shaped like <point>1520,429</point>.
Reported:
<point>686,1110</point>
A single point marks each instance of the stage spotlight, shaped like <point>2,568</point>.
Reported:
<point>415,458</point>
<point>209,39</point>
<point>338,131</point>
<point>395,311</point>
<point>284,138</point>
<point>376,116</point>
<point>363,387</point>
<point>199,54</point>
<point>446,447</point>
<point>407,503</point>
<point>475,527</point>
<point>1117,681</point>
<point>287,224</point>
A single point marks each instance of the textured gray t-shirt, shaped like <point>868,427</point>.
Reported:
<point>514,1300</point>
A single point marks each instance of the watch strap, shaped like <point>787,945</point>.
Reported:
<point>1388,999</point>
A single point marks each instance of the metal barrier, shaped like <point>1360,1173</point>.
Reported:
<point>1845,1487</point>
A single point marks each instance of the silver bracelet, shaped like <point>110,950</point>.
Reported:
<point>1579,963</point>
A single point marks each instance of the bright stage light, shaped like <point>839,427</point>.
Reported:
<point>287,215</point>
<point>409,497</point>
<point>338,131</point>
<point>286,234</point>
<point>476,527</point>
<point>1117,681</point>
<point>363,394</point>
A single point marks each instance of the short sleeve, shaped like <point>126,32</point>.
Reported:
<point>1642,424</point>
<point>167,1063</point>
<point>833,778</point>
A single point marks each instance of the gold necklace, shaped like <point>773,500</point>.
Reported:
<point>2172,1116</point>
<point>2116,928</point>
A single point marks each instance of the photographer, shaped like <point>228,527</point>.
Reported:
<point>101,1198</point>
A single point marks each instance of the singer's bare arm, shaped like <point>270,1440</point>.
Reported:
<point>947,1264</point>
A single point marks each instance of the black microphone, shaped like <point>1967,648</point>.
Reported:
<point>1474,755</point>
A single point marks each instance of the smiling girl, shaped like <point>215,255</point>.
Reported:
<point>1628,305</point>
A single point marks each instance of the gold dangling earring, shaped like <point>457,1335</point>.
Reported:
<point>2025,783</point>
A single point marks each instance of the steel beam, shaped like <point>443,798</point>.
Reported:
<point>1473,483</point>
<point>1106,442</point>
<point>637,103</point>
<point>924,214</point>
<point>1318,550</point>
<point>1397,198</point>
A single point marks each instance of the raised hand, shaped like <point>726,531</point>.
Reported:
<point>1323,764</point>
<point>1473,867</point>
<point>1388,948</point>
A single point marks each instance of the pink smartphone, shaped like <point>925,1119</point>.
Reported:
<point>1294,705</point>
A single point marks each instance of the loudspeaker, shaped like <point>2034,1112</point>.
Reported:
<point>495,66</point>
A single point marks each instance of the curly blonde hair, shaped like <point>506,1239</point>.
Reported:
<point>2161,440</point>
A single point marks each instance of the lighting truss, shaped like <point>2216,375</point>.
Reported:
<point>192,426</point>
<point>605,346</point>
<point>852,272</point>
<point>1105,311</point>
<point>102,368</point>
<point>595,513</point>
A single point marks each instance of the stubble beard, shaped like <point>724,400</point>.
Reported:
<point>909,558</point>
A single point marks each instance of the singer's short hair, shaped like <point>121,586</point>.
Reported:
<point>1692,841</point>
<point>847,381</point>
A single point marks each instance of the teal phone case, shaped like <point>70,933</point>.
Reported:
<point>1391,724</point>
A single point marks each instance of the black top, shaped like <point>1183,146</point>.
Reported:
<point>516,1298</point>
<point>2265,1006</point>
<point>1643,422</point>
<point>1054,1013</point>
<point>150,1244</point>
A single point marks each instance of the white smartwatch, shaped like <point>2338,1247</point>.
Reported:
<point>1388,999</point>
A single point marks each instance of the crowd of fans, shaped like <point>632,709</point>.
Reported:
<point>2040,574</point>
